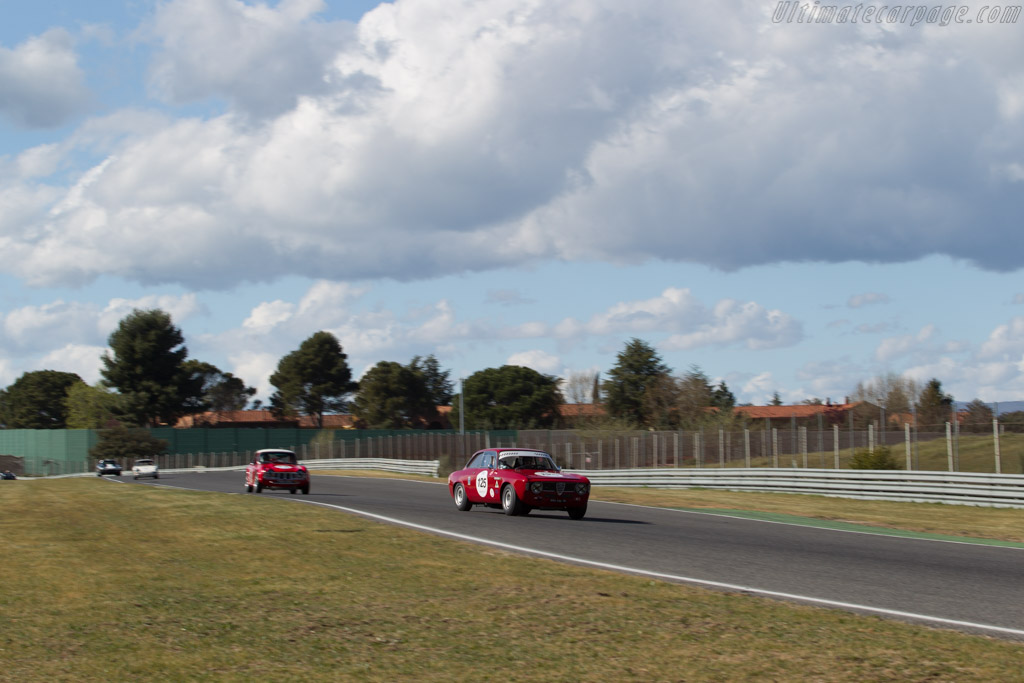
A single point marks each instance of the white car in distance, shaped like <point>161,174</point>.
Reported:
<point>145,467</point>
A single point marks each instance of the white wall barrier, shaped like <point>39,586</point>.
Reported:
<point>961,488</point>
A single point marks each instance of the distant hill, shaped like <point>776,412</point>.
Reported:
<point>1002,406</point>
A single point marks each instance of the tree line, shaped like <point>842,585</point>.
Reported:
<point>148,379</point>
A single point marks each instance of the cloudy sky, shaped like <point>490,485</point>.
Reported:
<point>792,206</point>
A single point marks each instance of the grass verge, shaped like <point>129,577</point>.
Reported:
<point>110,583</point>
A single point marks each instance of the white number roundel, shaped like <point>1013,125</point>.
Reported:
<point>481,484</point>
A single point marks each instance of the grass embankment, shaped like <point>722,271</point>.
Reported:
<point>974,453</point>
<point>104,582</point>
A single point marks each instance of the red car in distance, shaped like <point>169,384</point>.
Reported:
<point>274,468</point>
<point>518,480</point>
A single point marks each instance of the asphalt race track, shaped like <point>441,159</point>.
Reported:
<point>974,588</point>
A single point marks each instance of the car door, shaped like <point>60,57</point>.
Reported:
<point>479,476</point>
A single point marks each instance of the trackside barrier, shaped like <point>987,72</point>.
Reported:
<point>960,488</point>
<point>425,467</point>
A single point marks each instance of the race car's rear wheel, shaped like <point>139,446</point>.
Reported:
<point>510,501</point>
<point>461,499</point>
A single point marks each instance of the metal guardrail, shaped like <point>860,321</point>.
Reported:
<point>960,488</point>
<point>425,467</point>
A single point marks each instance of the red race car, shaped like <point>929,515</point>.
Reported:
<point>518,480</point>
<point>273,468</point>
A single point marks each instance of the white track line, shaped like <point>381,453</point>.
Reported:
<point>676,577</point>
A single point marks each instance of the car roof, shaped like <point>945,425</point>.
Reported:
<point>517,452</point>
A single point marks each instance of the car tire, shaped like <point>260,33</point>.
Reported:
<point>510,501</point>
<point>248,488</point>
<point>99,474</point>
<point>577,513</point>
<point>156,476</point>
<point>461,499</point>
<point>135,477</point>
<point>305,490</point>
<point>292,490</point>
<point>259,487</point>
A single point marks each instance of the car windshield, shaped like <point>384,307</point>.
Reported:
<point>143,462</point>
<point>282,458</point>
<point>539,461</point>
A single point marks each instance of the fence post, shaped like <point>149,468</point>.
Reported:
<point>995,437</point>
<point>835,443</point>
<point>906,433</point>
<point>775,447</point>
<point>871,438</point>
<point>803,445</point>
<point>746,447</point>
<point>721,447</point>
<point>675,449</point>
<point>949,446</point>
<point>696,449</point>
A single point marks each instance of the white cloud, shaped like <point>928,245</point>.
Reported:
<point>748,324</point>
<point>179,307</point>
<point>760,388</point>
<point>255,369</point>
<point>541,361</point>
<point>41,84</point>
<point>464,136</point>
<point>267,315</point>
<point>81,359</point>
<point>258,57</point>
<point>895,347</point>
<point>1005,341</point>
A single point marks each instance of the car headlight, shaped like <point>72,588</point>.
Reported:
<point>581,488</point>
<point>536,487</point>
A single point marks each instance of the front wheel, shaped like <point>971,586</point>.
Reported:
<point>577,513</point>
<point>461,499</point>
<point>259,487</point>
<point>305,490</point>
<point>510,501</point>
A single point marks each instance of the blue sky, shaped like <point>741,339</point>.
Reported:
<point>793,207</point>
